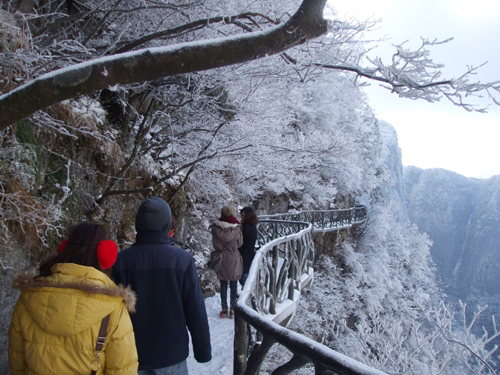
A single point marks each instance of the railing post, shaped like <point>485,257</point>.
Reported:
<point>291,272</point>
<point>240,344</point>
<point>272,286</point>
<point>294,364</point>
<point>258,355</point>
<point>319,369</point>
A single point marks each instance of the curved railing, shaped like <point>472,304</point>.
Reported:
<point>326,220</point>
<point>282,266</point>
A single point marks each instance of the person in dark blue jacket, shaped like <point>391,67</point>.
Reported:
<point>249,221</point>
<point>169,296</point>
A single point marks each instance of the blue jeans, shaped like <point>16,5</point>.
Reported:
<point>177,369</point>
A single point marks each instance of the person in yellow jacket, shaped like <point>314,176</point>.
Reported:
<point>57,319</point>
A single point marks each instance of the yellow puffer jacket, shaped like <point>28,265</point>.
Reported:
<point>56,322</point>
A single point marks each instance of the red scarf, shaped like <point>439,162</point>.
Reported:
<point>229,219</point>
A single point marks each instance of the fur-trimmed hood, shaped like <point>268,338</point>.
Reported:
<point>224,225</point>
<point>225,232</point>
<point>72,299</point>
<point>23,281</point>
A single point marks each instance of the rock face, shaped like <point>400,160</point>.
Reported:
<point>395,189</point>
<point>479,264</point>
<point>461,217</point>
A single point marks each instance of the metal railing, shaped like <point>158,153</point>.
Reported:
<point>326,220</point>
<point>282,266</point>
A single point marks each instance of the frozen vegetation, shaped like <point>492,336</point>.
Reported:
<point>287,132</point>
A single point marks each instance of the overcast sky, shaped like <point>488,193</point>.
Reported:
<point>439,135</point>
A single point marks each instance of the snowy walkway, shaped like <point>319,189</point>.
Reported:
<point>222,333</point>
<point>222,336</point>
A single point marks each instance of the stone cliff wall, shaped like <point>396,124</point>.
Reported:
<point>461,217</point>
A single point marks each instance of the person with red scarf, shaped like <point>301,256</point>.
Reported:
<point>227,237</point>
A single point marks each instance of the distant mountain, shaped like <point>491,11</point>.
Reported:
<point>462,217</point>
<point>479,264</point>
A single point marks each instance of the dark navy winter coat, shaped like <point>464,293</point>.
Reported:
<point>247,250</point>
<point>169,296</point>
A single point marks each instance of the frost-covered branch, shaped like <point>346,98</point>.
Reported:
<point>191,26</point>
<point>464,344</point>
<point>412,74</point>
<point>153,63</point>
<point>4,267</point>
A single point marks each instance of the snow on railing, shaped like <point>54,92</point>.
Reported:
<point>282,266</point>
<point>278,267</point>
<point>326,220</point>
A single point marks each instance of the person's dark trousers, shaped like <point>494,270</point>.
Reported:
<point>243,279</point>
<point>223,293</point>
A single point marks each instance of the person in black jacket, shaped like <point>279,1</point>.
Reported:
<point>249,222</point>
<point>169,295</point>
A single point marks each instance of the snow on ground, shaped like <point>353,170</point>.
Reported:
<point>222,334</point>
<point>222,337</point>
